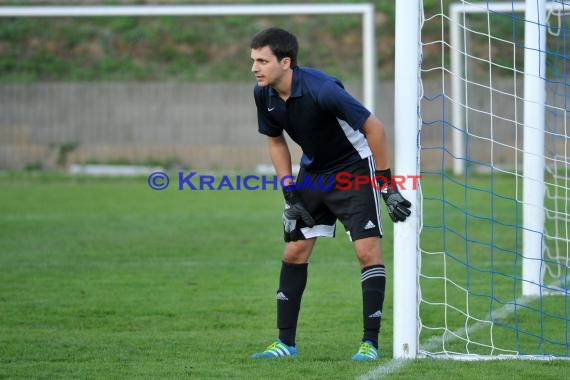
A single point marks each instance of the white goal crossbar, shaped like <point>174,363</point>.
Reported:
<point>365,9</point>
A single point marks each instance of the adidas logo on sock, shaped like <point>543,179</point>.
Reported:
<point>369,225</point>
<point>281,296</point>
<point>378,314</point>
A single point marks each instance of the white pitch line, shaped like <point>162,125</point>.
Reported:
<point>389,368</point>
<point>395,365</point>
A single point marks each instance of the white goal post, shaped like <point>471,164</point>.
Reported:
<point>365,10</point>
<point>406,126</point>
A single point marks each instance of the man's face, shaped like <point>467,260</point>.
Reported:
<point>267,69</point>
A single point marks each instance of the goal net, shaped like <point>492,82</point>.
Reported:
<point>494,242</point>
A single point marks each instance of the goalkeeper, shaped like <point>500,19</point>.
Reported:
<point>336,134</point>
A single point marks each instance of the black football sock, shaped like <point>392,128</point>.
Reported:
<point>292,283</point>
<point>373,287</point>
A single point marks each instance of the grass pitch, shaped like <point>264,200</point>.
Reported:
<point>106,278</point>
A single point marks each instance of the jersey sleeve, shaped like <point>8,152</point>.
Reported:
<point>334,98</point>
<point>265,124</point>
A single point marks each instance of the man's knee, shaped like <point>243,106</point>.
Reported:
<point>298,252</point>
<point>368,251</point>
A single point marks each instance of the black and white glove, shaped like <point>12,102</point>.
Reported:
<point>294,213</point>
<point>398,206</point>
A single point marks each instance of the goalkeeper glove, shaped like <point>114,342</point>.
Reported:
<point>293,213</point>
<point>398,206</point>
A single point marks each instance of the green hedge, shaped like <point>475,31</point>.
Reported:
<point>184,48</point>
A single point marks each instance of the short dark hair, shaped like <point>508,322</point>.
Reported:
<point>281,42</point>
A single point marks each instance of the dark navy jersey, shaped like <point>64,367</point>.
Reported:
<point>320,115</point>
